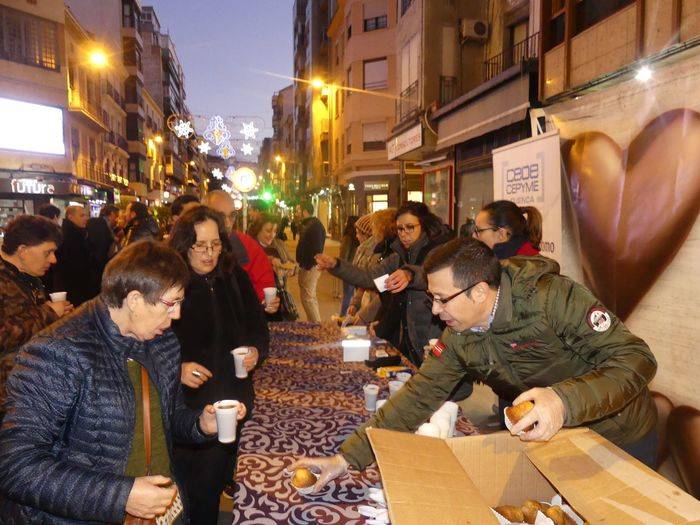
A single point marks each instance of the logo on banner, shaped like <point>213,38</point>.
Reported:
<point>524,183</point>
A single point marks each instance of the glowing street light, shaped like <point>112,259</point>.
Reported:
<point>278,158</point>
<point>159,139</point>
<point>643,74</point>
<point>98,58</point>
<point>317,83</point>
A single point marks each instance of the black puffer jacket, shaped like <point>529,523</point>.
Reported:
<point>65,440</point>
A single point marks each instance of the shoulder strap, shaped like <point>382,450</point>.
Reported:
<point>146,398</point>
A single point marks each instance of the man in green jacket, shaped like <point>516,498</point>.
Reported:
<point>531,335</point>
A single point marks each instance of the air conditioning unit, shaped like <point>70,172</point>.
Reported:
<point>471,29</point>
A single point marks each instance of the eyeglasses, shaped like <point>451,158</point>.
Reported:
<point>443,302</point>
<point>477,231</point>
<point>203,247</point>
<point>171,304</point>
<point>408,228</point>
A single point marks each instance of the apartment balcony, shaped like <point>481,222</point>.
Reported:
<point>89,170</point>
<point>449,89</point>
<point>111,92</point>
<point>408,103</point>
<point>86,109</point>
<point>522,53</point>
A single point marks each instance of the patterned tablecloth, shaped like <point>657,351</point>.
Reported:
<point>308,400</point>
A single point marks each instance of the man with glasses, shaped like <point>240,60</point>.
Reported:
<point>531,335</point>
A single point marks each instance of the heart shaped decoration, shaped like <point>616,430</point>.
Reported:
<point>635,208</point>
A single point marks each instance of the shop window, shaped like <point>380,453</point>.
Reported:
<point>377,202</point>
<point>375,74</point>
<point>28,39</point>
<point>374,136</point>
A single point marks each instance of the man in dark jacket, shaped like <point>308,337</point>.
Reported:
<point>141,225</point>
<point>68,435</point>
<point>312,240</point>
<point>101,239</point>
<point>75,272</point>
<point>531,335</point>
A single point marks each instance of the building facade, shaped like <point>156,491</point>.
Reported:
<point>311,51</point>
<point>362,94</point>
<point>283,157</point>
<point>52,127</point>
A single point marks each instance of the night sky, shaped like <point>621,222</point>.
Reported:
<point>224,45</point>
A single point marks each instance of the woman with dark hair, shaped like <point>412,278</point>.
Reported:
<point>348,247</point>
<point>220,312</point>
<point>264,230</point>
<point>141,225</point>
<point>408,315</point>
<point>74,445</point>
<point>508,229</point>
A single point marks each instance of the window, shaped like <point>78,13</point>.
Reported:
<point>337,53</point>
<point>337,103</point>
<point>348,81</point>
<point>349,32</point>
<point>372,24</point>
<point>348,146</point>
<point>377,202</point>
<point>405,5</point>
<point>374,136</point>
<point>28,39</point>
<point>410,58</point>
<point>75,143</point>
<point>375,74</point>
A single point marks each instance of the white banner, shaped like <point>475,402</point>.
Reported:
<point>529,174</point>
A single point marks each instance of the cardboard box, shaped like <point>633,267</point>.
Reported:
<point>355,349</point>
<point>455,481</point>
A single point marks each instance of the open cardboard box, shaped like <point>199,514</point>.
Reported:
<point>455,481</point>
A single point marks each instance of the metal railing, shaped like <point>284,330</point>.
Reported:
<point>408,102</point>
<point>449,89</point>
<point>521,52</point>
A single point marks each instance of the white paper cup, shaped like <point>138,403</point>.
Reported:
<point>394,387</point>
<point>403,376</point>
<point>371,393</point>
<point>380,282</point>
<point>432,342</point>
<point>428,429</point>
<point>380,403</point>
<point>226,419</point>
<point>57,297</point>
<point>451,408</point>
<point>239,355</point>
<point>270,294</point>
<point>442,421</point>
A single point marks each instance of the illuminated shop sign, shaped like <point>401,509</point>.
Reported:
<point>32,186</point>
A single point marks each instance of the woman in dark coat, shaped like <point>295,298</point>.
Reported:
<point>220,312</point>
<point>407,315</point>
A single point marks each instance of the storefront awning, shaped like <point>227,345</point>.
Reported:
<point>500,107</point>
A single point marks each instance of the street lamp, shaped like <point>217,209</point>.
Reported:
<point>317,83</point>
<point>159,139</point>
<point>98,58</point>
<point>278,158</point>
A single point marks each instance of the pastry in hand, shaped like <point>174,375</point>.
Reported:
<point>303,478</point>
<point>510,512</point>
<point>517,412</point>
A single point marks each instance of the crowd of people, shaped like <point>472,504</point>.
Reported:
<point>106,390</point>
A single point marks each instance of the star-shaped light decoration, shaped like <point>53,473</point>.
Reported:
<point>247,149</point>
<point>184,129</point>
<point>216,173</point>
<point>204,148</point>
<point>225,150</point>
<point>226,188</point>
<point>249,130</point>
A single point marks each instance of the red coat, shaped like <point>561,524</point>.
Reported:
<point>258,267</point>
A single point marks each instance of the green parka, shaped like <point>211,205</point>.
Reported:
<point>547,331</point>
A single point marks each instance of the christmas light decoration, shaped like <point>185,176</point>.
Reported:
<point>216,131</point>
<point>216,173</point>
<point>204,148</point>
<point>249,130</point>
<point>225,150</point>
<point>247,149</point>
<point>183,129</point>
